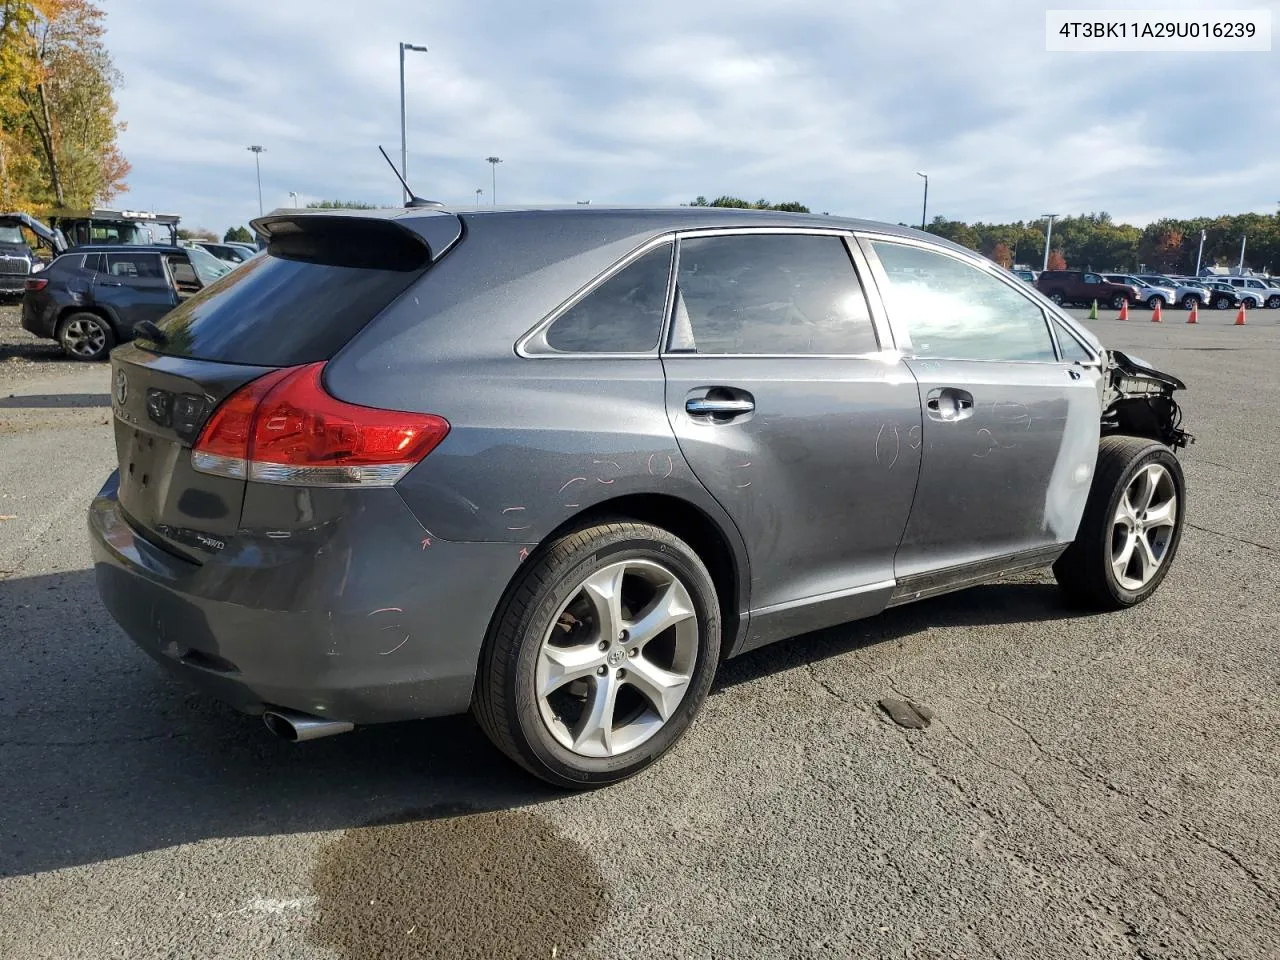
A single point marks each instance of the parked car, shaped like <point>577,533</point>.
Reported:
<point>1148,293</point>
<point>1079,286</point>
<point>555,466</point>
<point>1224,295</point>
<point>92,298</point>
<point>1028,275</point>
<point>1183,292</point>
<point>1255,292</point>
<point>228,252</point>
<point>18,260</point>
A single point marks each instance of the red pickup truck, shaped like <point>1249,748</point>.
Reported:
<point>1079,286</point>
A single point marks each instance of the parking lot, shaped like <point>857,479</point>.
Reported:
<point>1091,786</point>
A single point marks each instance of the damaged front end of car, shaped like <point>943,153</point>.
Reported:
<point>1137,401</point>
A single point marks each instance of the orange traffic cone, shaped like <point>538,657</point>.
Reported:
<point>1124,309</point>
<point>1240,316</point>
<point>1195,312</point>
<point>1156,316</point>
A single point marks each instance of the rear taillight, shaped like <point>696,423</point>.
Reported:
<point>284,428</point>
<point>35,283</point>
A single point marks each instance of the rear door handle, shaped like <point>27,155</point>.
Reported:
<point>949,403</point>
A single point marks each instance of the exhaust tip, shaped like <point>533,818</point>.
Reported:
<point>294,727</point>
<point>280,726</point>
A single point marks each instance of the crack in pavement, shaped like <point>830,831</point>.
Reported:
<point>1084,771</point>
<point>1232,537</point>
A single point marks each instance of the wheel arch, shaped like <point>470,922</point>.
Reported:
<point>93,308</point>
<point>716,543</point>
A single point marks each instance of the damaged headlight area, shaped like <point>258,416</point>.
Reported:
<point>1138,401</point>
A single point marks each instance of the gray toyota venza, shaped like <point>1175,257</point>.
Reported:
<point>552,466</point>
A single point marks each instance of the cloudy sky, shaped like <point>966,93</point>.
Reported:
<point>832,104</point>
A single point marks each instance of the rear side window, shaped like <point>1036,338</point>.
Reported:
<point>318,286</point>
<point>956,311</point>
<point>621,315</point>
<point>134,266</point>
<point>769,294</point>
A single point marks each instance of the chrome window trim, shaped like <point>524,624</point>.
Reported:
<point>879,325</point>
<point>533,345</point>
<point>1048,309</point>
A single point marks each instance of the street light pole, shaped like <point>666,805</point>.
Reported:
<point>1048,235</point>
<point>293,195</point>
<point>404,144</point>
<point>924,209</point>
<point>1240,269</point>
<point>1200,253</point>
<point>493,164</point>
<point>479,193</point>
<point>257,154</point>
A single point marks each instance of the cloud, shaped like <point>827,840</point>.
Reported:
<point>835,106</point>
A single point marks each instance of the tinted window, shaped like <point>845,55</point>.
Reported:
<point>769,294</point>
<point>93,263</point>
<point>276,312</point>
<point>134,266</point>
<point>956,311</point>
<point>622,315</point>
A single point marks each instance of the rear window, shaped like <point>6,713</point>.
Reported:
<point>318,286</point>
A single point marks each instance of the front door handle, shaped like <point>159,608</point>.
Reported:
<point>704,407</point>
<point>948,404</point>
<point>110,283</point>
<point>719,404</point>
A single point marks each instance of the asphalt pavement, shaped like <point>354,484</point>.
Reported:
<point>1090,786</point>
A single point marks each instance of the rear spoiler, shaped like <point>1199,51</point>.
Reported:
<point>411,239</point>
<point>49,235</point>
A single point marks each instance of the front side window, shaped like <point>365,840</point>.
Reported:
<point>1092,278</point>
<point>1072,349</point>
<point>780,294</point>
<point>134,266</point>
<point>621,315</point>
<point>956,311</point>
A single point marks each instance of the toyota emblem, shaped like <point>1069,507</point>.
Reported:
<point>122,387</point>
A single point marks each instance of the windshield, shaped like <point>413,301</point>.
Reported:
<point>11,233</point>
<point>208,267</point>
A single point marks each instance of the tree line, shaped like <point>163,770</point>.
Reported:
<point>1093,241</point>
<point>58,123</point>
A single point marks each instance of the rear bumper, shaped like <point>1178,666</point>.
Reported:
<point>398,640</point>
<point>37,318</point>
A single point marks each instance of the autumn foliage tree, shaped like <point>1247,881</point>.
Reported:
<point>1002,255</point>
<point>1056,260</point>
<point>58,123</point>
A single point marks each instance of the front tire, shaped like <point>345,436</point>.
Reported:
<point>1273,301</point>
<point>1131,527</point>
<point>1118,301</point>
<point>1191,300</point>
<point>601,654</point>
<point>1222,303</point>
<point>1155,300</point>
<point>86,336</point>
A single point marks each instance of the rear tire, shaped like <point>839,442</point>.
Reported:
<point>1056,297</point>
<point>542,697</point>
<point>86,336</point>
<point>1128,537</point>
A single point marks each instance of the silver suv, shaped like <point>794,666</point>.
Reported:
<point>1183,293</point>
<point>553,466</point>
<point>1148,292</point>
<point>1256,291</point>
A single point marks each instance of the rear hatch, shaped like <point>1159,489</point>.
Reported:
<point>323,279</point>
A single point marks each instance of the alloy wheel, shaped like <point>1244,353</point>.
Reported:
<point>84,338</point>
<point>1143,526</point>
<point>618,659</point>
